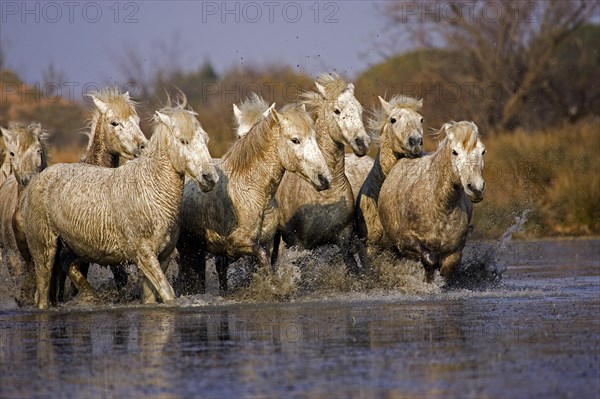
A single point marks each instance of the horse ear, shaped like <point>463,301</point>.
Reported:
<point>420,104</point>
<point>237,113</point>
<point>276,116</point>
<point>164,118</point>
<point>273,112</point>
<point>126,95</point>
<point>7,134</point>
<point>386,106</point>
<point>269,111</point>
<point>303,107</point>
<point>36,128</point>
<point>350,88</point>
<point>321,89</point>
<point>101,105</point>
<point>447,129</point>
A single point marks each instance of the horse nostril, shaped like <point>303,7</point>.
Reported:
<point>413,141</point>
<point>476,191</point>
<point>323,181</point>
<point>207,177</point>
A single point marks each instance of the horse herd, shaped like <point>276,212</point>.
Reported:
<point>287,176</point>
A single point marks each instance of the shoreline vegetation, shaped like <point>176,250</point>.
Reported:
<point>552,172</point>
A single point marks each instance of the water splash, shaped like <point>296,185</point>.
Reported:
<point>321,275</point>
<point>482,266</point>
<point>517,227</point>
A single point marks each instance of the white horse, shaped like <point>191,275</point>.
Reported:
<point>309,218</point>
<point>28,154</point>
<point>400,128</point>
<point>228,221</point>
<point>425,203</point>
<point>114,134</point>
<point>127,214</point>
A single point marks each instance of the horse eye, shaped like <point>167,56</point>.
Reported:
<point>12,154</point>
<point>454,152</point>
<point>393,120</point>
<point>115,124</point>
<point>182,141</point>
<point>421,120</point>
<point>483,152</point>
<point>295,141</point>
<point>337,111</point>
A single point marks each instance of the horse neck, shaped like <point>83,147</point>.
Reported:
<point>158,170</point>
<point>333,151</point>
<point>264,168</point>
<point>98,153</point>
<point>446,183</point>
<point>386,158</point>
<point>384,162</point>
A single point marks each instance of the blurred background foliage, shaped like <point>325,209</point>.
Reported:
<point>533,88</point>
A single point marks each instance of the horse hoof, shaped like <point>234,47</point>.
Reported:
<point>149,300</point>
<point>429,276</point>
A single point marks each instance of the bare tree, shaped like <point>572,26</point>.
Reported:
<point>507,45</point>
<point>53,79</point>
<point>143,69</point>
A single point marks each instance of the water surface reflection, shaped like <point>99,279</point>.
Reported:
<point>536,335</point>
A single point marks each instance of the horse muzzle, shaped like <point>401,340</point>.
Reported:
<point>324,182</point>
<point>208,181</point>
<point>360,146</point>
<point>475,199</point>
<point>206,176</point>
<point>475,195</point>
<point>415,146</point>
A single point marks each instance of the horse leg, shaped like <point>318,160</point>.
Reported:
<point>262,258</point>
<point>412,247</point>
<point>148,293</point>
<point>44,258</point>
<point>345,243</point>
<point>59,276</point>
<point>275,250</point>
<point>363,254</point>
<point>449,264</point>
<point>28,286</point>
<point>152,269</point>
<point>192,268</point>
<point>245,243</point>
<point>79,279</point>
<point>120,276</point>
<point>222,263</point>
<point>431,264</point>
<point>67,261</point>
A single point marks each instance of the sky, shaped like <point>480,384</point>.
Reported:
<point>87,41</point>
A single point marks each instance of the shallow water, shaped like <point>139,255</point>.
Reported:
<point>533,333</point>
